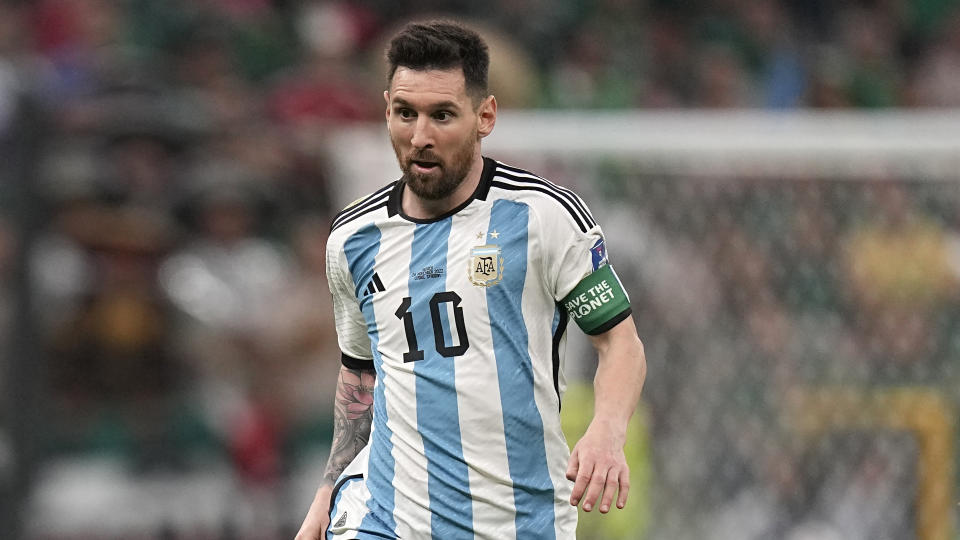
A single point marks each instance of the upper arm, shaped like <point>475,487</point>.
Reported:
<point>351,325</point>
<point>622,337</point>
<point>579,272</point>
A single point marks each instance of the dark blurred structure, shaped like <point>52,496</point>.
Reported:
<point>164,202</point>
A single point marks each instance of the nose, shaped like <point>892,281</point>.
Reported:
<point>422,133</point>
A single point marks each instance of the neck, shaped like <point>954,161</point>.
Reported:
<point>419,208</point>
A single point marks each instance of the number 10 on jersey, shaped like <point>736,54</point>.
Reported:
<point>415,353</point>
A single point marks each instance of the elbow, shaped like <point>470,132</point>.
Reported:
<point>640,355</point>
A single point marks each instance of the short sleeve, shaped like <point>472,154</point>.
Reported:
<point>579,270</point>
<point>351,326</point>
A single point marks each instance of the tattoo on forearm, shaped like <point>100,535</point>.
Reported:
<point>352,419</point>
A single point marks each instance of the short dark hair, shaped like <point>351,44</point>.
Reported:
<point>442,44</point>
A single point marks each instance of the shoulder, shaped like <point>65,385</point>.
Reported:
<point>360,212</point>
<point>543,196</point>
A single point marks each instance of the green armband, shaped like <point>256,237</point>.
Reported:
<point>598,302</point>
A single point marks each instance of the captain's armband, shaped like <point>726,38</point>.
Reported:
<point>598,302</point>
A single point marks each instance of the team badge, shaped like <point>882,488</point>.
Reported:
<point>486,265</point>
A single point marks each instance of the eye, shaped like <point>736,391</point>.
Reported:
<point>443,116</point>
<point>406,113</point>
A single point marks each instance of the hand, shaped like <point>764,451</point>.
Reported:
<point>318,517</point>
<point>598,466</point>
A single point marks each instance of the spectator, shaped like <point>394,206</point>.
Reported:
<point>897,270</point>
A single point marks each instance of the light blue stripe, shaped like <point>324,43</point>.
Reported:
<point>438,418</point>
<point>361,250</point>
<point>523,427</point>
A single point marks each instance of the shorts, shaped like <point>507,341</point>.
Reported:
<point>350,519</point>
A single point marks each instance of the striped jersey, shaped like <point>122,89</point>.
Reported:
<point>463,317</point>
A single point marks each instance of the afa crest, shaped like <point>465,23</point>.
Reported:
<point>486,265</point>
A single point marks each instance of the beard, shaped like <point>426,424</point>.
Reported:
<point>445,177</point>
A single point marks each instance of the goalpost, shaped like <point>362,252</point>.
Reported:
<point>746,143</point>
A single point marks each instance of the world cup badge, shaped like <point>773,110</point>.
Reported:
<point>486,265</point>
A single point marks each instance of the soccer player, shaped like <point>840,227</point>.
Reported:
<point>452,289</point>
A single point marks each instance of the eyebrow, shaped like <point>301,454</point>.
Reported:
<point>447,104</point>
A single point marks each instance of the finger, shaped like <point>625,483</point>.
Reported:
<point>582,482</point>
<point>624,490</point>
<point>573,466</point>
<point>597,481</point>
<point>609,488</point>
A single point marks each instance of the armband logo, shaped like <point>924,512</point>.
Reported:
<point>486,265</point>
<point>598,253</point>
<point>598,299</point>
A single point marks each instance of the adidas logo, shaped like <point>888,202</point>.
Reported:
<point>342,521</point>
<point>374,286</point>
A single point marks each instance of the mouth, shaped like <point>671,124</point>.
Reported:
<point>424,166</point>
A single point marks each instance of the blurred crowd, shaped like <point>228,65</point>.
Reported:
<point>182,191</point>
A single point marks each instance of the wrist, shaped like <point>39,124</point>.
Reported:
<point>615,429</point>
<point>323,492</point>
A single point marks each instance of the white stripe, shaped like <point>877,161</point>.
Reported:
<point>478,391</point>
<point>411,499</point>
<point>353,499</point>
<point>538,310</point>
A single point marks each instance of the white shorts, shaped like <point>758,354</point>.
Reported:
<point>350,519</point>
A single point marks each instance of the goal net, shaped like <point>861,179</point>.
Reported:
<point>795,278</point>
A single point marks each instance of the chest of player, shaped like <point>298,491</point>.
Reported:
<point>441,289</point>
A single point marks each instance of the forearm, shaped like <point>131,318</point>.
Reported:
<point>621,372</point>
<point>597,463</point>
<point>352,419</point>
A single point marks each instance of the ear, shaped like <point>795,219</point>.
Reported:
<point>487,114</point>
<point>386,98</point>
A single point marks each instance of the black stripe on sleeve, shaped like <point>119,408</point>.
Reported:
<point>615,320</point>
<point>557,336</point>
<point>566,193</point>
<point>355,363</point>
<point>356,209</point>
<point>361,214</point>
<point>531,187</point>
<point>577,201</point>
<point>365,199</point>
<point>360,207</point>
<point>558,194</point>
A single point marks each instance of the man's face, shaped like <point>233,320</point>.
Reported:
<point>434,128</point>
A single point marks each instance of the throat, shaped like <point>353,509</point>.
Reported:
<point>421,208</point>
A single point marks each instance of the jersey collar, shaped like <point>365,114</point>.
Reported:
<point>396,195</point>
